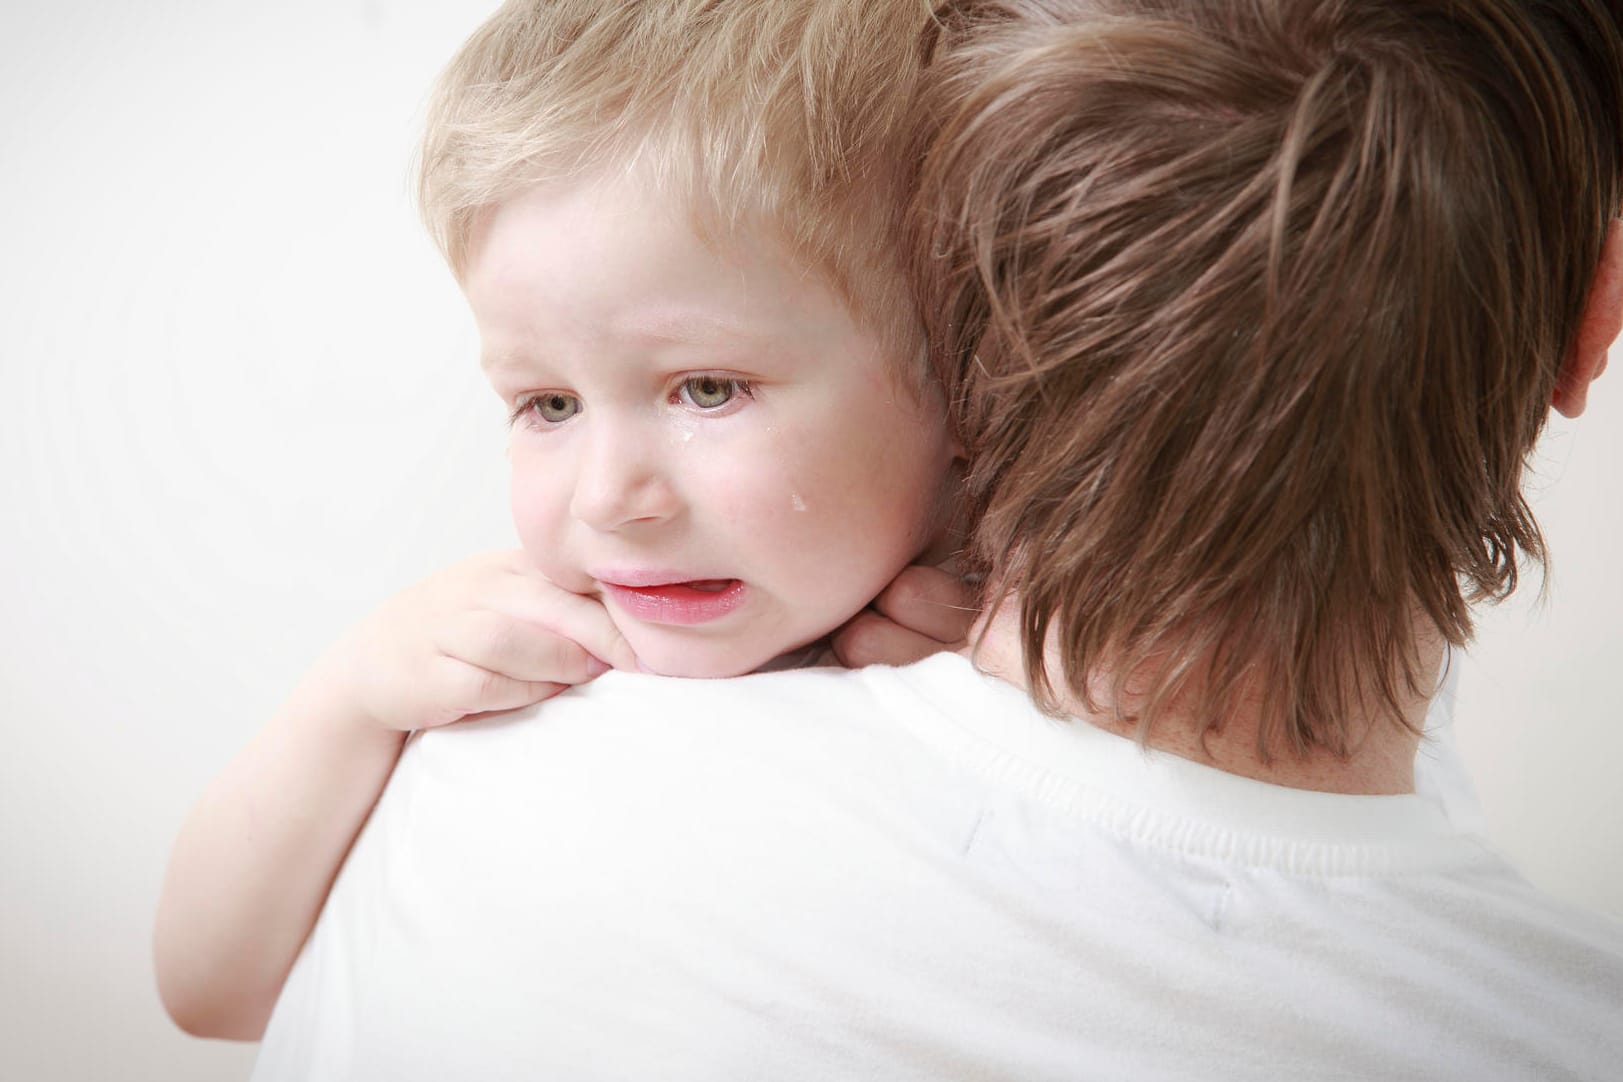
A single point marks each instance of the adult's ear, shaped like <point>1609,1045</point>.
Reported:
<point>1598,328</point>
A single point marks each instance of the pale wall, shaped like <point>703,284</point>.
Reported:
<point>239,405</point>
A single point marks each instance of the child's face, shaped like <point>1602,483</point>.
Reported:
<point>704,436</point>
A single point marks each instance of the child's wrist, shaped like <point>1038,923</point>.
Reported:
<point>329,701</point>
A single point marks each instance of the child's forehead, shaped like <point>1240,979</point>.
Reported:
<point>564,275</point>
<point>696,273</point>
<point>641,195</point>
<point>681,269</point>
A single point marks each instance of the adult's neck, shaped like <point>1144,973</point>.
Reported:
<point>1380,763</point>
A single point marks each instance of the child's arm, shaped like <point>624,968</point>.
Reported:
<point>923,611</point>
<point>257,855</point>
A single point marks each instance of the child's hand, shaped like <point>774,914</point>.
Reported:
<point>485,635</point>
<point>923,611</point>
<point>256,857</point>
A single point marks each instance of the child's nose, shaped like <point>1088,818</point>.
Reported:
<point>620,482</point>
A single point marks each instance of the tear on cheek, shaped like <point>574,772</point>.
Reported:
<point>795,502</point>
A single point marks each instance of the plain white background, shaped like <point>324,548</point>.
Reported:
<point>239,405</point>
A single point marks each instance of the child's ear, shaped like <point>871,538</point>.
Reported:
<point>1598,328</point>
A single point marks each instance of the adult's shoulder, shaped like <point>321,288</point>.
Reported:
<point>632,733</point>
<point>632,711</point>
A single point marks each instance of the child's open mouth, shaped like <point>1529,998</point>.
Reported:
<point>694,601</point>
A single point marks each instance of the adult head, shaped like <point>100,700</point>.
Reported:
<point>1252,312</point>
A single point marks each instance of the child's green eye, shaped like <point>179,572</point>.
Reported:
<point>555,407</point>
<point>711,392</point>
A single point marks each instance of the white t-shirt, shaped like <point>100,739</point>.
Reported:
<point>912,874</point>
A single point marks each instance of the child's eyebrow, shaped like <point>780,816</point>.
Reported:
<point>653,327</point>
<point>496,362</point>
<point>687,326</point>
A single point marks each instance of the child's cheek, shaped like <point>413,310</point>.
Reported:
<point>779,483</point>
<point>537,508</point>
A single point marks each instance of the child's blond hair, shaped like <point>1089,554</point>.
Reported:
<point>750,110</point>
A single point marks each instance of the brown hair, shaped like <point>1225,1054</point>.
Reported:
<point>758,110</point>
<point>1250,312</point>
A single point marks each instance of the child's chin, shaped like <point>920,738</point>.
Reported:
<point>717,663</point>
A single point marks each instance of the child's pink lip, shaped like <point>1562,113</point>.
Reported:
<point>687,602</point>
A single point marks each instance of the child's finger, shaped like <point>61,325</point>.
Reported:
<point>503,694</point>
<point>470,691</point>
<point>517,649</point>
<point>930,602</point>
<point>871,639</point>
<point>586,621</point>
<point>582,619</point>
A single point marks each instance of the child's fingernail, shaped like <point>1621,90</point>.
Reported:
<point>596,666</point>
